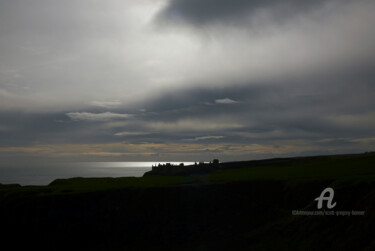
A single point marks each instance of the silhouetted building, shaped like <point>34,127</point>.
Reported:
<point>215,163</point>
<point>171,168</point>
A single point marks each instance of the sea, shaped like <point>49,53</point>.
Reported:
<point>45,173</point>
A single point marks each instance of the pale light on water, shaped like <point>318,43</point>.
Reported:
<point>43,174</point>
<point>124,164</point>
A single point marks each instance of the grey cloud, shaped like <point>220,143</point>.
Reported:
<point>304,46</point>
<point>105,116</point>
<point>198,12</point>
<point>320,110</point>
<point>225,101</point>
<point>207,138</point>
<point>61,56</point>
<point>272,115</point>
<point>194,124</point>
<point>3,128</point>
<point>264,113</point>
<point>106,104</point>
<point>131,133</point>
<point>76,71</point>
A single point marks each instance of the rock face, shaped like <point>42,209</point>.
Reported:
<point>251,215</point>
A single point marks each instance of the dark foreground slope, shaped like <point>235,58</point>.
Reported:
<point>232,209</point>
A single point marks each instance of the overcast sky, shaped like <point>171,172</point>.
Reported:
<point>185,80</point>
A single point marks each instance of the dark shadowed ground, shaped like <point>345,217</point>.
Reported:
<point>238,206</point>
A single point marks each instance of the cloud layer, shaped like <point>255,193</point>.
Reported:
<point>105,116</point>
<point>186,79</point>
<point>231,11</point>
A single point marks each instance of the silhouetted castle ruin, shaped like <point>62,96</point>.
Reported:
<point>181,169</point>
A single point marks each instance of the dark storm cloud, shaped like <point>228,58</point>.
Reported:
<point>319,107</point>
<point>316,108</point>
<point>199,12</point>
<point>335,116</point>
<point>273,77</point>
